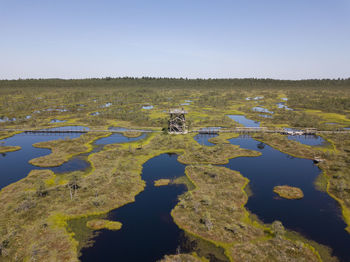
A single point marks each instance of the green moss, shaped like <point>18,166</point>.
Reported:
<point>132,134</point>
<point>97,224</point>
<point>324,251</point>
<point>321,182</point>
<point>162,182</point>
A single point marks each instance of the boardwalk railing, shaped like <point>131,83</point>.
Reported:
<point>74,130</point>
<point>243,130</point>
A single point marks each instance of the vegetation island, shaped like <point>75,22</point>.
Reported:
<point>288,192</point>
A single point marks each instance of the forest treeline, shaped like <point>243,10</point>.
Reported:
<point>178,83</point>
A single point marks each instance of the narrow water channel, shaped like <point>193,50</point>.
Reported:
<point>148,232</point>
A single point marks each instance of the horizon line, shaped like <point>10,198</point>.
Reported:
<point>173,78</point>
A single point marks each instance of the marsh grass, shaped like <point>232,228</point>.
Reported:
<point>288,192</point>
<point>215,211</point>
<point>162,182</point>
<point>7,149</point>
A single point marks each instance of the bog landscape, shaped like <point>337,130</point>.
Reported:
<point>173,169</point>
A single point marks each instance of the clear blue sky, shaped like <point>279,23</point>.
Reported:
<point>287,39</point>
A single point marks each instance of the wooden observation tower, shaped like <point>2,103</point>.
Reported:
<point>177,121</point>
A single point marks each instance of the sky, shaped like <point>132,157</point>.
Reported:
<point>281,39</point>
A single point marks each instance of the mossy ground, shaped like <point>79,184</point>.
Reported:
<point>215,211</point>
<point>132,134</point>
<point>7,149</point>
<point>97,224</point>
<point>42,214</point>
<point>288,192</point>
<point>162,182</point>
<point>113,181</point>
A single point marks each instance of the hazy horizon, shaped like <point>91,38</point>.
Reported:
<point>287,40</point>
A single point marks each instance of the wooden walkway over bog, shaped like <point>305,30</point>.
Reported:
<point>206,130</point>
<point>67,131</point>
<point>248,130</point>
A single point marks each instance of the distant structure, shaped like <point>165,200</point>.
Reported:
<point>177,121</point>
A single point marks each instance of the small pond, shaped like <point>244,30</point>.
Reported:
<point>254,98</point>
<point>106,105</point>
<point>57,121</point>
<point>261,109</point>
<point>56,110</point>
<point>203,139</point>
<point>117,138</point>
<point>310,140</point>
<point>241,119</point>
<point>283,105</point>
<point>266,116</point>
<point>147,107</point>
<point>6,119</point>
<point>187,103</point>
<point>14,165</point>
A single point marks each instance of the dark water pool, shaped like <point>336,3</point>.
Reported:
<point>261,109</point>
<point>15,166</point>
<point>317,216</point>
<point>202,139</point>
<point>148,232</point>
<point>311,140</point>
<point>283,105</point>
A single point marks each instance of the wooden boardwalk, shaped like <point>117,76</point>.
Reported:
<point>67,131</point>
<point>242,130</point>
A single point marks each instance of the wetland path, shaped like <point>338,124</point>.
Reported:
<point>204,130</point>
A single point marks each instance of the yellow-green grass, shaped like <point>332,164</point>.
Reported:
<point>329,117</point>
<point>7,134</point>
<point>288,192</point>
<point>63,244</point>
<point>132,134</point>
<point>7,149</point>
<point>162,182</point>
<point>184,258</point>
<point>97,224</point>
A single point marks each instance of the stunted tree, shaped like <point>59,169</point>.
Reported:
<point>73,186</point>
<point>41,190</point>
<point>277,229</point>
